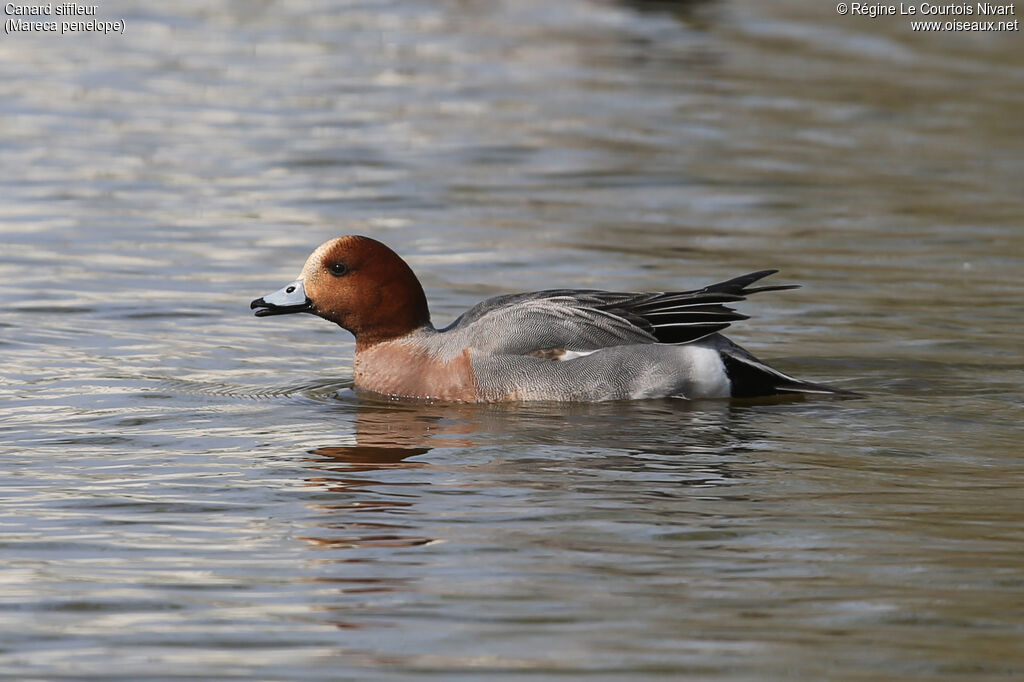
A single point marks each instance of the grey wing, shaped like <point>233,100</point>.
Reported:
<point>557,319</point>
<point>586,319</point>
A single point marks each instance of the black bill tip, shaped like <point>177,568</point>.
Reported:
<point>264,309</point>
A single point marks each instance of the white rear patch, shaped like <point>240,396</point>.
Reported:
<point>709,379</point>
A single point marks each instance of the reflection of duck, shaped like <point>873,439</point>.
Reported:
<point>383,442</point>
<point>390,436</point>
<point>378,507</point>
<point>555,345</point>
<point>377,493</point>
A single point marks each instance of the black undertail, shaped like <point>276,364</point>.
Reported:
<point>751,378</point>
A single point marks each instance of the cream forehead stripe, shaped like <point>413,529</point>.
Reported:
<point>311,269</point>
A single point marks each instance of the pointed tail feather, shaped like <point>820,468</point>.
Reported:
<point>751,378</point>
<point>737,286</point>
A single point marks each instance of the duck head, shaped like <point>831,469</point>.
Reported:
<point>357,283</point>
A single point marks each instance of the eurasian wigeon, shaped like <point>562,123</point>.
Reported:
<point>559,344</point>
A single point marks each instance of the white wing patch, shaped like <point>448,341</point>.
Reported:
<point>559,354</point>
<point>571,354</point>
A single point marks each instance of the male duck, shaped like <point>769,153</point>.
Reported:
<point>559,344</point>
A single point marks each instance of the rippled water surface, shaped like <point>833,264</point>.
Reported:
<point>193,493</point>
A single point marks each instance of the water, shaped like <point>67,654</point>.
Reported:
<point>192,493</point>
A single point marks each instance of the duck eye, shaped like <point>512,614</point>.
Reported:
<point>337,269</point>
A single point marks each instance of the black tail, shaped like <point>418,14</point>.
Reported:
<point>751,378</point>
<point>738,286</point>
<point>686,316</point>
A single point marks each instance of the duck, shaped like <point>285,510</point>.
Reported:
<point>568,345</point>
